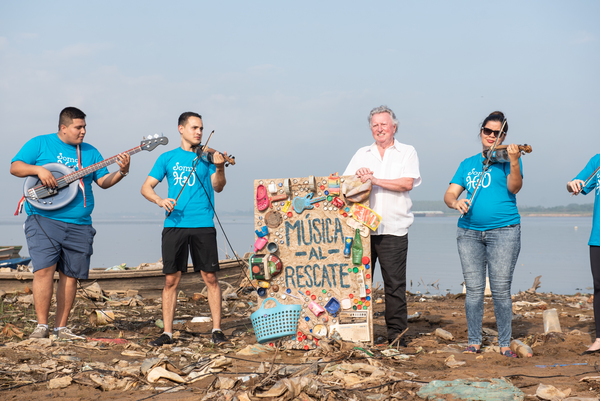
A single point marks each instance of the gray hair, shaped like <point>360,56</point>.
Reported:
<point>384,109</point>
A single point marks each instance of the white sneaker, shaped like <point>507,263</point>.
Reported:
<point>40,332</point>
<point>66,334</point>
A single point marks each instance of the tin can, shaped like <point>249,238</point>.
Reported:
<point>320,330</point>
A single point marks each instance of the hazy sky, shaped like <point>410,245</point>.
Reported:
<point>287,86</point>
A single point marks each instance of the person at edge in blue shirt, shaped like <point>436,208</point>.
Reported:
<point>61,239</point>
<point>578,185</point>
<point>188,227</point>
<point>489,231</point>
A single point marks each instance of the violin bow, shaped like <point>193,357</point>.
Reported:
<point>588,180</point>
<point>192,172</point>
<point>486,165</point>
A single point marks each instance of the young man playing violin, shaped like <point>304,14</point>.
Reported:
<point>188,227</point>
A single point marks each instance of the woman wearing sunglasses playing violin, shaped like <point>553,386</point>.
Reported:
<point>489,230</point>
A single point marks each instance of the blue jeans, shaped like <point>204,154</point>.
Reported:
<point>595,262</point>
<point>498,249</point>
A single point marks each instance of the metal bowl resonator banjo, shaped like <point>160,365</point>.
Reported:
<point>42,197</point>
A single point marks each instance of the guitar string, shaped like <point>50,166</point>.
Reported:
<point>75,175</point>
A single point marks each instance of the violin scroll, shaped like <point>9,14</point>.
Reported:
<point>525,148</point>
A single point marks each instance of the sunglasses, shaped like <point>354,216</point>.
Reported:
<point>488,131</point>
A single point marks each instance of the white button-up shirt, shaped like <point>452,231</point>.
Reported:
<point>399,161</point>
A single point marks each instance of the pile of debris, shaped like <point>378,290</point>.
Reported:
<point>115,358</point>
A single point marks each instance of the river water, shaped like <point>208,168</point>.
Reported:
<point>553,247</point>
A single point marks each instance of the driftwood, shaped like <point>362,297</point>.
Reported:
<point>536,284</point>
<point>397,340</point>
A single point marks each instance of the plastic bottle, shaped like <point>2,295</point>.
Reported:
<point>521,349</point>
<point>357,249</point>
<point>441,333</point>
<point>347,247</point>
<point>551,322</point>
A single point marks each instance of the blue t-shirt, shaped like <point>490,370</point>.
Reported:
<point>593,184</point>
<point>494,205</point>
<point>49,148</point>
<point>195,205</point>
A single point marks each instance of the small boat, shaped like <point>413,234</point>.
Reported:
<point>15,262</point>
<point>147,279</point>
<point>9,252</point>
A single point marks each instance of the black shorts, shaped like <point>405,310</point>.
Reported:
<point>178,243</point>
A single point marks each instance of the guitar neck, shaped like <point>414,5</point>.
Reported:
<point>69,178</point>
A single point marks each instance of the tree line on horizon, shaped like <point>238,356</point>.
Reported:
<point>572,208</point>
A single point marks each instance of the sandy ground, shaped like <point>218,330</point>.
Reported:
<point>26,370</point>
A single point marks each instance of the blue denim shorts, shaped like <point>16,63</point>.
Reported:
<point>67,245</point>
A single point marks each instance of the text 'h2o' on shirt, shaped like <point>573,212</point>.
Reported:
<point>494,206</point>
<point>195,205</point>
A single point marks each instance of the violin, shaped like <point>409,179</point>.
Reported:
<point>500,154</point>
<point>523,148</point>
<point>206,154</point>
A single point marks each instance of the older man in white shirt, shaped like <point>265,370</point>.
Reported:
<point>393,169</point>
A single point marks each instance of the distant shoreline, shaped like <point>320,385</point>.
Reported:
<point>526,214</point>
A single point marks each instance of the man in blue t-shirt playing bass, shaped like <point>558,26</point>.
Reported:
<point>189,227</point>
<point>60,239</point>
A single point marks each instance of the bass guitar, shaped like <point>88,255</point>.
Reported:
<point>42,197</point>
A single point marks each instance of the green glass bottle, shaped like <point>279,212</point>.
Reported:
<point>357,249</point>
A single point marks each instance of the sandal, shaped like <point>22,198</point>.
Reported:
<point>472,350</point>
<point>508,353</point>
<point>262,201</point>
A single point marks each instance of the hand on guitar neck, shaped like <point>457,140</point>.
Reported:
<point>123,160</point>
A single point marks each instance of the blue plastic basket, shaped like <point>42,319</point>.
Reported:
<point>272,323</point>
